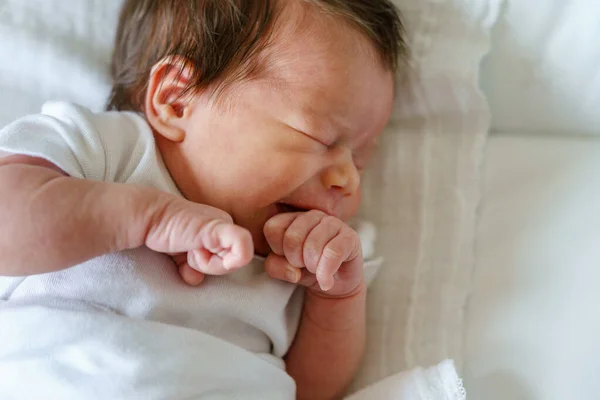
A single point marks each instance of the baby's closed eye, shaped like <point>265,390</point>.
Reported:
<point>312,140</point>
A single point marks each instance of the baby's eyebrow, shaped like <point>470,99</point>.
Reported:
<point>330,124</point>
<point>320,122</point>
<point>339,126</point>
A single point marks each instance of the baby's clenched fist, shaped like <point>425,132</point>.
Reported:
<point>314,250</point>
<point>202,240</point>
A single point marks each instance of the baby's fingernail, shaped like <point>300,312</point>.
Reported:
<point>196,260</point>
<point>327,285</point>
<point>291,275</point>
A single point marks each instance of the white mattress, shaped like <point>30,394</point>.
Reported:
<point>533,324</point>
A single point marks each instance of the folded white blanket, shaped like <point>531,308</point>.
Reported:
<point>436,383</point>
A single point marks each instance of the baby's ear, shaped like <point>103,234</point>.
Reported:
<point>168,101</point>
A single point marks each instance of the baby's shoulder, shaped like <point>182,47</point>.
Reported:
<point>116,125</point>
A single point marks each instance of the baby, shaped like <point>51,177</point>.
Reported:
<point>236,130</point>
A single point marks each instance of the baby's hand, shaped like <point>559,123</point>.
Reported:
<point>203,240</point>
<point>315,250</point>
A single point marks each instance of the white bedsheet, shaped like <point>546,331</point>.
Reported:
<point>533,321</point>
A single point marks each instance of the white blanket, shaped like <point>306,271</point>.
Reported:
<point>436,383</point>
<point>80,350</point>
<point>89,353</point>
<point>94,354</point>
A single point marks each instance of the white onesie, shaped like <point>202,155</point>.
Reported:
<point>66,330</point>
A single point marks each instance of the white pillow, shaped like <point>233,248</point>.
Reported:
<point>448,39</point>
<point>543,72</point>
<point>54,49</point>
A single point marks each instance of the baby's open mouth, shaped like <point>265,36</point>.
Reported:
<point>288,208</point>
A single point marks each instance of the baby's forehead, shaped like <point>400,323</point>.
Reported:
<point>316,58</point>
<point>321,71</point>
<point>318,65</point>
<point>303,34</point>
<point>324,68</point>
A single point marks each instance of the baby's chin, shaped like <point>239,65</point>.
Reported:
<point>255,223</point>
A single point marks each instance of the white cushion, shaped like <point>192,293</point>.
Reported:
<point>543,72</point>
<point>533,316</point>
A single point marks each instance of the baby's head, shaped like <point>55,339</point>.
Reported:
<point>261,106</point>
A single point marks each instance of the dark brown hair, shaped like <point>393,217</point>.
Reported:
<point>223,38</point>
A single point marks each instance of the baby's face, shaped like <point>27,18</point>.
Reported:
<point>297,143</point>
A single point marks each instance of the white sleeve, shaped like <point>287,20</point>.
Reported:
<point>110,146</point>
<point>62,135</point>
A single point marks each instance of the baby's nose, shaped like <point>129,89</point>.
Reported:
<point>343,177</point>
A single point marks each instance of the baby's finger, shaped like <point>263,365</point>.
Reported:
<point>296,235</point>
<point>342,248</point>
<point>190,275</point>
<point>206,262</point>
<point>278,267</point>
<point>315,243</point>
<point>308,279</point>
<point>275,229</point>
<point>237,247</point>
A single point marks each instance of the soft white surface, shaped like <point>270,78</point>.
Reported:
<point>533,321</point>
<point>89,353</point>
<point>543,74</point>
<point>54,50</point>
<point>447,40</point>
<point>435,383</point>
<point>422,192</point>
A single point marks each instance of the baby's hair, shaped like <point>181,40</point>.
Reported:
<point>222,40</point>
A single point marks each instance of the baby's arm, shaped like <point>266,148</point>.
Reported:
<point>329,345</point>
<point>50,222</point>
<point>323,254</point>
